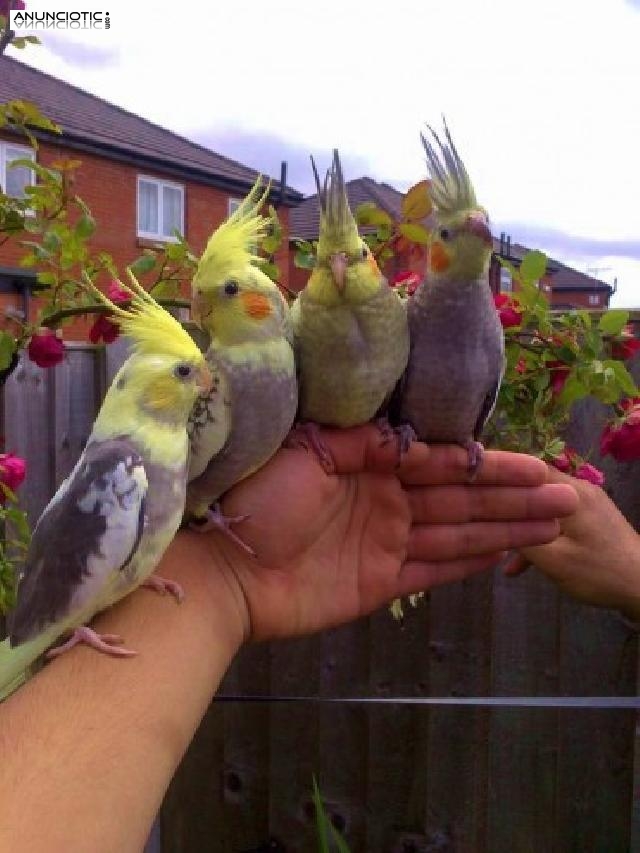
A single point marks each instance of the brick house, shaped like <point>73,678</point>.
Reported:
<point>139,180</point>
<point>566,287</point>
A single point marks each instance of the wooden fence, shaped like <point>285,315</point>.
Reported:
<point>396,777</point>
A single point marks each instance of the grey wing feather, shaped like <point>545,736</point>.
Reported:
<point>488,406</point>
<point>91,528</point>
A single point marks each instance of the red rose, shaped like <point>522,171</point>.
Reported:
<point>590,473</point>
<point>559,374</point>
<point>46,348</point>
<point>564,461</point>
<point>408,280</point>
<point>103,329</point>
<point>622,438</point>
<point>7,5</point>
<point>521,366</point>
<point>12,471</point>
<point>627,346</point>
<point>510,315</point>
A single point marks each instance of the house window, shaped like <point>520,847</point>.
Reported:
<point>234,204</point>
<point>506,282</point>
<point>594,299</point>
<point>160,209</point>
<point>14,179</point>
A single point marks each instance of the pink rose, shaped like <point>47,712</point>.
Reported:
<point>589,472</point>
<point>627,346</point>
<point>564,461</point>
<point>510,315</point>
<point>12,471</point>
<point>116,293</point>
<point>559,375</point>
<point>46,348</point>
<point>103,329</point>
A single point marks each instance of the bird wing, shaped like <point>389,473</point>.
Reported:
<point>90,530</point>
<point>488,405</point>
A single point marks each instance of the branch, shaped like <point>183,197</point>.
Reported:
<point>54,320</point>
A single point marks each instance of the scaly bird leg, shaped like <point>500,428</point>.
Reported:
<point>215,520</point>
<point>102,642</point>
<point>404,434</point>
<point>164,585</point>
<point>308,436</point>
<point>475,452</point>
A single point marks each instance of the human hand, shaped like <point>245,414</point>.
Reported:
<point>596,558</point>
<point>332,548</point>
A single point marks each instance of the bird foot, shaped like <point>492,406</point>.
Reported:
<point>216,520</point>
<point>163,586</point>
<point>106,643</point>
<point>404,435</point>
<point>308,436</point>
<point>475,452</point>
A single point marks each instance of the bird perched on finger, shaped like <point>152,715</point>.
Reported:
<point>457,359</point>
<point>240,424</point>
<point>350,328</point>
<point>110,521</point>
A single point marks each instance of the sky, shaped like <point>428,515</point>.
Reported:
<point>542,99</point>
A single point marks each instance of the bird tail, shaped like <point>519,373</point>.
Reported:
<point>16,663</point>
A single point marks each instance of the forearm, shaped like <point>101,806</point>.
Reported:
<point>90,744</point>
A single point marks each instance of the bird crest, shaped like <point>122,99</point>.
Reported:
<point>451,190</point>
<point>233,245</point>
<point>337,224</point>
<point>152,329</point>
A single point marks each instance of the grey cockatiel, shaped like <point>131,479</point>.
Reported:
<point>456,362</point>
<point>252,404</point>
<point>351,333</point>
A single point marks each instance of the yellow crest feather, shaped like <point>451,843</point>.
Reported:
<point>451,189</point>
<point>338,228</point>
<point>233,244</point>
<point>152,329</point>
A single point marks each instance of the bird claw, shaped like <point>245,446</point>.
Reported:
<point>404,435</point>
<point>216,520</point>
<point>308,437</point>
<point>475,453</point>
<point>163,586</point>
<point>106,643</point>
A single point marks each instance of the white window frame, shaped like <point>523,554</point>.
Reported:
<point>25,153</point>
<point>233,204</point>
<point>594,299</point>
<point>160,184</point>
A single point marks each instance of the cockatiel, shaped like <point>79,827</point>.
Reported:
<point>351,333</point>
<point>456,362</point>
<point>249,411</point>
<point>110,521</point>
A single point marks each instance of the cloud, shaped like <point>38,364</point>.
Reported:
<point>81,55</point>
<point>265,152</point>
<point>555,241</point>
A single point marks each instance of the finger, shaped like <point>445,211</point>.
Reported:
<point>435,542</point>
<point>418,576</point>
<point>363,449</point>
<point>447,464</point>
<point>444,504</point>
<point>515,564</point>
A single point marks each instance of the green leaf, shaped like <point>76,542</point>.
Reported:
<point>271,244</point>
<point>533,266</point>
<point>623,378</point>
<point>165,290</point>
<point>272,270</point>
<point>85,226</point>
<point>574,389</point>
<point>414,232</point>
<point>416,204</point>
<point>369,213</point>
<point>143,264</point>
<point>321,820</point>
<point>175,251</point>
<point>613,322</point>
<point>7,349</point>
<point>19,42</point>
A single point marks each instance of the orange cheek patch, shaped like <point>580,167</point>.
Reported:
<point>438,258</point>
<point>256,306</point>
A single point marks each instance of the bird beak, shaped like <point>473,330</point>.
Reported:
<point>204,380</point>
<point>477,224</point>
<point>338,264</point>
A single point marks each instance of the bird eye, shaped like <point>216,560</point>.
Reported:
<point>445,234</point>
<point>231,288</point>
<point>183,371</point>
